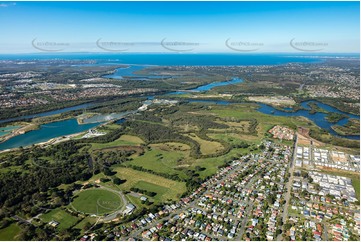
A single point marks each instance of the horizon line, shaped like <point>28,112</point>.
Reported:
<point>180,53</point>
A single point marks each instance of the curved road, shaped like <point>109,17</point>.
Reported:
<point>124,199</point>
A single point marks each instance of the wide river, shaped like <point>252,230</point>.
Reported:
<point>318,118</point>
<point>66,127</point>
<point>46,132</point>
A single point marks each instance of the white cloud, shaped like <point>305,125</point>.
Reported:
<point>5,5</point>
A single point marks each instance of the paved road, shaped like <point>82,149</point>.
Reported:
<point>37,216</point>
<point>136,233</point>
<point>325,232</point>
<point>289,184</point>
<point>17,218</point>
<point>193,204</point>
<point>301,86</point>
<point>248,210</point>
<point>244,222</point>
<point>119,211</point>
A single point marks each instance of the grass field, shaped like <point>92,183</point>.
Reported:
<point>241,127</point>
<point>173,189</point>
<point>64,219</point>
<point>96,201</point>
<point>10,232</point>
<point>231,138</point>
<point>164,158</point>
<point>151,187</point>
<point>248,111</point>
<point>82,223</point>
<point>207,147</point>
<point>109,127</point>
<point>211,164</point>
<point>123,140</point>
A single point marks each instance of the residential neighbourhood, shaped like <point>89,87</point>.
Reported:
<point>281,132</point>
<point>180,121</point>
<point>323,207</point>
<point>246,201</point>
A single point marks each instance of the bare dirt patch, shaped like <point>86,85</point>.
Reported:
<point>274,100</point>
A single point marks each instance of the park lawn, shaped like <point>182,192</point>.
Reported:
<point>237,127</point>
<point>163,158</point>
<point>211,164</point>
<point>10,232</point>
<point>82,223</point>
<point>64,219</point>
<point>151,187</point>
<point>96,180</point>
<point>79,136</point>
<point>265,122</point>
<point>96,201</point>
<point>249,111</point>
<point>294,213</point>
<point>207,147</point>
<point>150,160</point>
<point>132,177</point>
<point>122,140</point>
<point>230,138</point>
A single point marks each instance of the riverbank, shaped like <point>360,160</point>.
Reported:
<point>34,125</point>
<point>305,109</point>
<point>80,118</point>
<point>21,130</point>
<point>47,143</point>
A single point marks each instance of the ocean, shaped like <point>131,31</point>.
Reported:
<point>190,59</point>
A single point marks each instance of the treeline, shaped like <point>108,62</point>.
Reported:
<point>117,105</point>
<point>323,136</point>
<point>19,191</point>
<point>253,123</point>
<point>201,121</point>
<point>193,180</point>
<point>157,133</point>
<point>146,192</point>
<point>339,103</point>
<point>103,159</point>
<point>42,171</point>
<point>165,175</point>
<point>22,111</point>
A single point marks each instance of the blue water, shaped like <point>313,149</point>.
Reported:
<point>120,121</point>
<point>49,113</point>
<point>217,84</point>
<point>328,108</point>
<point>46,132</point>
<point>318,118</point>
<point>178,59</point>
<point>218,102</point>
<point>61,128</point>
<point>128,72</point>
<point>209,86</point>
<point>7,130</point>
<point>138,61</point>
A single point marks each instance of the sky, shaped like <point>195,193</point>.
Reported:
<point>238,27</point>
